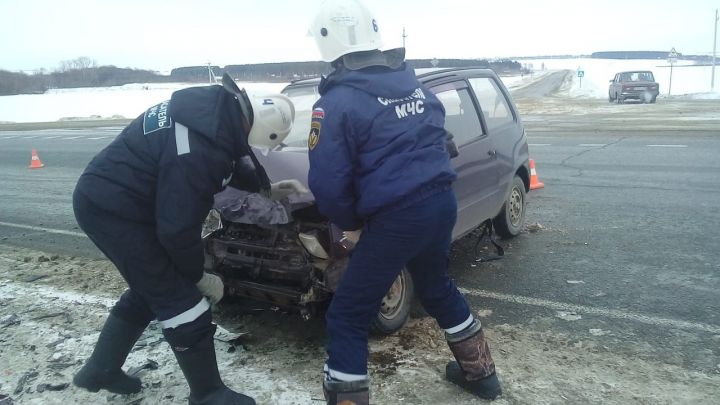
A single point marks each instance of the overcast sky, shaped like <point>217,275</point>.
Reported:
<point>163,34</point>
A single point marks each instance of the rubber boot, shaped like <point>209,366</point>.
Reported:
<point>474,369</point>
<point>199,365</point>
<point>104,368</point>
<point>347,392</point>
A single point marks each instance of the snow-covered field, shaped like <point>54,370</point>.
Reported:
<point>131,100</point>
<point>127,101</point>
<point>688,80</point>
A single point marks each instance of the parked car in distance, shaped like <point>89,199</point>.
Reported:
<point>298,264</point>
<point>634,85</point>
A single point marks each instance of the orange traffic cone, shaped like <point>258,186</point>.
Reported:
<point>534,182</point>
<point>35,162</point>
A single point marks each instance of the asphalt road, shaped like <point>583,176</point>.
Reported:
<point>545,87</point>
<point>626,255</point>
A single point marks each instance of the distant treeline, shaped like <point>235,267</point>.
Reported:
<point>649,55</point>
<point>84,72</point>
<point>288,71</point>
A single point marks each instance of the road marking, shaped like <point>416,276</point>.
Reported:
<point>41,229</point>
<point>593,144</point>
<point>10,137</point>
<point>97,137</point>
<point>52,137</point>
<point>72,137</point>
<point>600,311</point>
<point>539,144</point>
<point>667,146</point>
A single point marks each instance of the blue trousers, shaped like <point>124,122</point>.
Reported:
<point>418,238</point>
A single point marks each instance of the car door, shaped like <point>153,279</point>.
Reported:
<point>504,131</point>
<point>477,184</point>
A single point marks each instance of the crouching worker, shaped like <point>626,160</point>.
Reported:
<point>379,164</point>
<point>142,201</point>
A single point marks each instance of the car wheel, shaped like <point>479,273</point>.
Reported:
<point>619,99</point>
<point>510,221</point>
<point>652,100</point>
<point>396,305</point>
<point>610,98</point>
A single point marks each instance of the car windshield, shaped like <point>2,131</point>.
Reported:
<point>303,97</point>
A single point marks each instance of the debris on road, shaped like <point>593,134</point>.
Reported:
<point>5,400</point>
<point>46,316</point>
<point>34,277</point>
<point>52,387</point>
<point>27,377</point>
<point>536,227</point>
<point>149,365</point>
<point>10,320</point>
<point>568,316</point>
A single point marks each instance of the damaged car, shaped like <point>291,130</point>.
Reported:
<point>284,252</point>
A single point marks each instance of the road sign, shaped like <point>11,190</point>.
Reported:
<point>581,73</point>
<point>672,59</point>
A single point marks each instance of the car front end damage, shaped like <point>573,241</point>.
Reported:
<point>293,263</point>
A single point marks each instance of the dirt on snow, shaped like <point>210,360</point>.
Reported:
<point>52,308</point>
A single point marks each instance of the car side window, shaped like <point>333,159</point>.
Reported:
<point>493,103</point>
<point>461,118</point>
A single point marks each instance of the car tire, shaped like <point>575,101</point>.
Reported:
<point>619,99</point>
<point>652,100</point>
<point>610,98</point>
<point>510,220</point>
<point>396,306</point>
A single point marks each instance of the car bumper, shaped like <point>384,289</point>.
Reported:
<point>639,94</point>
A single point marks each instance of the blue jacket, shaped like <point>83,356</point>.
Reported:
<point>163,170</point>
<point>376,143</point>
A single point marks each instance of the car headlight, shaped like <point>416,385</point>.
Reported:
<point>212,224</point>
<point>313,246</point>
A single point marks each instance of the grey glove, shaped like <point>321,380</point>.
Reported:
<point>211,286</point>
<point>284,188</point>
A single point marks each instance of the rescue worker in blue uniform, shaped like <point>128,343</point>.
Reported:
<point>380,170</point>
<point>143,199</point>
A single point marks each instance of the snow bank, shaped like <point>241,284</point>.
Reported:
<point>127,101</point>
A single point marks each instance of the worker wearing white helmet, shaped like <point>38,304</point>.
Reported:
<point>380,170</point>
<point>143,199</point>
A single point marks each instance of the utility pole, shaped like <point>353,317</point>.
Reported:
<point>404,36</point>
<point>712,76</point>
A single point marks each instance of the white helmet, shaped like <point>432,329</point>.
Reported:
<point>270,116</point>
<point>344,26</point>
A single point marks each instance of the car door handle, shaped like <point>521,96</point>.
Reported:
<point>492,152</point>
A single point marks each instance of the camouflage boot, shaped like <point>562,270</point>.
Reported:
<point>474,369</point>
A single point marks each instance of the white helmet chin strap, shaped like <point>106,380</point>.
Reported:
<point>241,96</point>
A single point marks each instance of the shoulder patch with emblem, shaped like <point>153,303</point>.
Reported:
<point>318,115</point>
<point>157,118</point>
